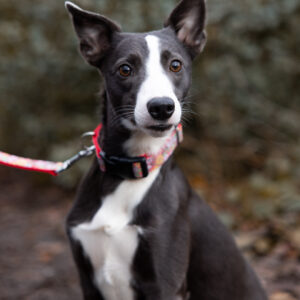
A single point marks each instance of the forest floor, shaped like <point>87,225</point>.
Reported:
<point>36,263</point>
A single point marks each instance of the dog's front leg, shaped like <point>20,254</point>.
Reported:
<point>85,270</point>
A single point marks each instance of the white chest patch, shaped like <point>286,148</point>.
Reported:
<point>110,242</point>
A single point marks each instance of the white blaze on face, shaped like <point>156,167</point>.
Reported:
<point>156,84</point>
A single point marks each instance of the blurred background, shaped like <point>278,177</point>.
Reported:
<point>242,141</point>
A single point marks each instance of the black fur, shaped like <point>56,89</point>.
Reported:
<point>184,252</point>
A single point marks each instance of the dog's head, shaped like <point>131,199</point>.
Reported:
<point>147,75</point>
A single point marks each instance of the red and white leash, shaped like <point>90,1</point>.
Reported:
<point>52,168</point>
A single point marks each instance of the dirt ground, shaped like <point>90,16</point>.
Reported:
<point>35,259</point>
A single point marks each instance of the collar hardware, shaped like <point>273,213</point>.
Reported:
<point>125,167</point>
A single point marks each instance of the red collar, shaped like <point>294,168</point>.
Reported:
<point>136,167</point>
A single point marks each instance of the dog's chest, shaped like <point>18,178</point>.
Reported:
<point>110,242</point>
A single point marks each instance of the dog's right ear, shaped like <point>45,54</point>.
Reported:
<point>94,32</point>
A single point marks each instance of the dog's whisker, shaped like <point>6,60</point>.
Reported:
<point>132,107</point>
<point>119,118</point>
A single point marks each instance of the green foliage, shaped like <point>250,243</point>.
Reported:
<point>250,70</point>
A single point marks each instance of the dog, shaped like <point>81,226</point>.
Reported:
<point>137,229</point>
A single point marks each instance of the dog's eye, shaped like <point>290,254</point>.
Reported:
<point>175,66</point>
<point>125,70</point>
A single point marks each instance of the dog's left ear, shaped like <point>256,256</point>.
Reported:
<point>188,21</point>
<point>94,32</point>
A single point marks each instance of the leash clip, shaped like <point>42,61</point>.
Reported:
<point>88,151</point>
<point>86,135</point>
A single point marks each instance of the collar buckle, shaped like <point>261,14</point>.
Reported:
<point>124,167</point>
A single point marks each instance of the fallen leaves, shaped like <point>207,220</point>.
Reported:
<point>282,296</point>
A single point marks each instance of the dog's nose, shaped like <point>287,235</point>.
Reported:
<point>161,108</point>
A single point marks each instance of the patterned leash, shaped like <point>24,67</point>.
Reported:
<point>49,167</point>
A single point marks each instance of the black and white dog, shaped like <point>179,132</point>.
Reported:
<point>145,234</point>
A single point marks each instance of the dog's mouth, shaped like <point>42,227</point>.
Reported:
<point>154,130</point>
<point>160,128</point>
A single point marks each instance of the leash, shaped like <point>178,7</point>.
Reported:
<point>43,166</point>
<point>124,167</point>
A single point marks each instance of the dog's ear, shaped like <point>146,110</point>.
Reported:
<point>188,21</point>
<point>94,32</point>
